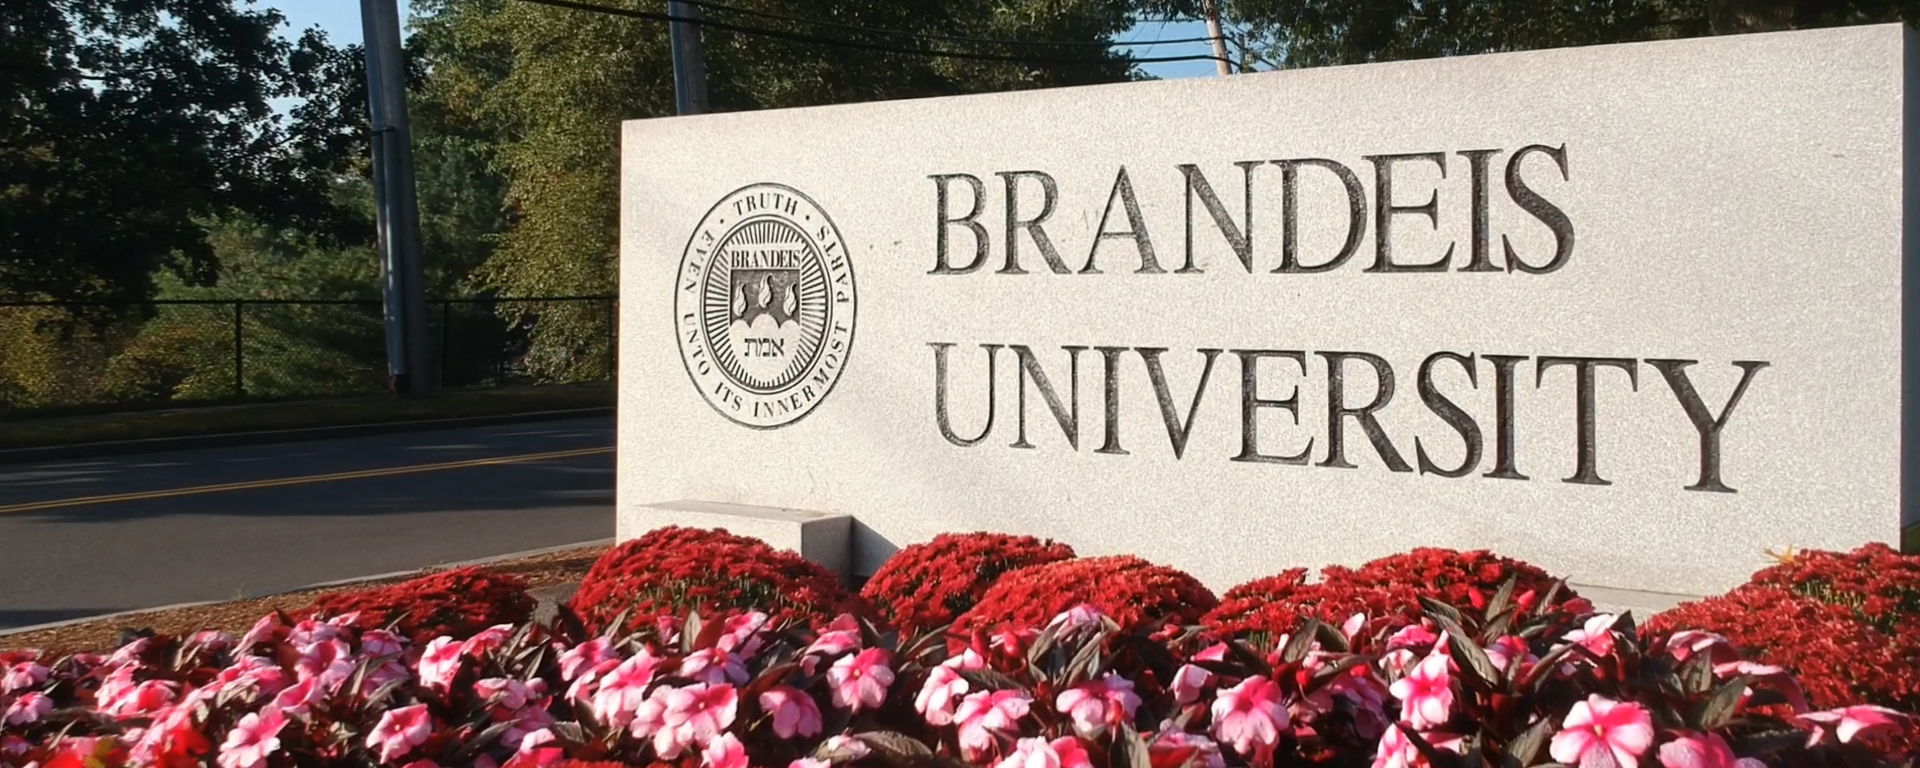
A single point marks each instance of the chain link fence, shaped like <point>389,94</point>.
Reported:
<point>56,355</point>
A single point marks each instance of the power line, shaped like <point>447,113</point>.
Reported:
<point>855,44</point>
<point>723,8</point>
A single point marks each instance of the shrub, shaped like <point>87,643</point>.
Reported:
<point>458,603</point>
<point>1455,577</point>
<point>1136,593</point>
<point>928,585</point>
<point>1881,585</point>
<point>671,571</point>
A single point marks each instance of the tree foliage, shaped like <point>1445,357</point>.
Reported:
<point>124,122</point>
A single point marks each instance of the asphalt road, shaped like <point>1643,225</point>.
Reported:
<point>86,537</point>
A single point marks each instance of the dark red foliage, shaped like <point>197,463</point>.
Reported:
<point>671,571</point>
<point>1388,590</point>
<point>458,603</point>
<point>1136,593</point>
<point>1456,577</point>
<point>1839,659</point>
<point>925,586</point>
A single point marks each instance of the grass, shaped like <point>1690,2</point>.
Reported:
<point>264,417</point>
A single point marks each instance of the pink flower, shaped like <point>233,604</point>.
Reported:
<point>623,689</point>
<point>422,764</point>
<point>714,666</point>
<point>22,676</point>
<point>944,685</point>
<point>1854,721</point>
<point>678,718</point>
<point>580,658</point>
<point>1084,617</point>
<point>1098,705</point>
<point>297,699</point>
<point>1688,643</point>
<point>1597,635</point>
<point>29,708</point>
<point>1175,746</point>
<point>808,762</point>
<point>440,663</point>
<point>742,634</point>
<point>1771,675</point>
<point>400,731</point>
<point>1508,649</point>
<point>987,715</point>
<point>253,739</point>
<point>1188,681</point>
<point>860,681</point>
<point>724,752</point>
<point>507,693</point>
<point>848,747</point>
<point>380,642</point>
<point>793,712</point>
<point>1702,750</point>
<point>487,640</point>
<point>1250,716</point>
<point>1215,652</point>
<point>142,699</point>
<point>13,745</point>
<point>1064,752</point>
<point>1397,750</point>
<point>842,636</point>
<point>1426,693</point>
<point>262,631</point>
<point>1012,642</point>
<point>1603,732</point>
<point>329,661</point>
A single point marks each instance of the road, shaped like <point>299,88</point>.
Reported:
<point>86,537</point>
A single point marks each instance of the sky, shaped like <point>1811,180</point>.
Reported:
<point>341,20</point>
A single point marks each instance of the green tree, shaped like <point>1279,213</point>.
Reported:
<point>553,85</point>
<point>126,122</point>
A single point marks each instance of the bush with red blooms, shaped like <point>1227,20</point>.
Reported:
<point>1388,590</point>
<point>1847,623</point>
<point>458,603</point>
<point>1136,593</point>
<point>670,571</point>
<point>928,585</point>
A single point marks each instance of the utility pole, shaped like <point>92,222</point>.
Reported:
<point>689,65</point>
<point>397,211</point>
<point>1212,10</point>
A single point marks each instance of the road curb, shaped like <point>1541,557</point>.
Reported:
<point>193,442</point>
<point>322,585</point>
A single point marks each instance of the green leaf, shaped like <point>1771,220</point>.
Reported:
<point>1719,709</point>
<point>1523,748</point>
<point>1302,641</point>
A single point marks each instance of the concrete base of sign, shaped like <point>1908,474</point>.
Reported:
<point>818,536</point>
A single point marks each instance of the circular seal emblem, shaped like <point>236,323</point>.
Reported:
<point>764,305</point>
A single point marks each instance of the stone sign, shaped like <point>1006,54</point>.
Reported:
<point>1633,313</point>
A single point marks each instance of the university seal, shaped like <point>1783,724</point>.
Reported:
<point>764,306</point>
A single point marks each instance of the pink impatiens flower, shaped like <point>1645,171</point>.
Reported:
<point>1397,750</point>
<point>985,716</point>
<point>1426,693</point>
<point>29,708</point>
<point>22,676</point>
<point>742,635</point>
<point>439,663</point>
<point>296,699</point>
<point>253,739</point>
<point>1851,722</point>
<point>1098,705</point>
<point>724,752</point>
<point>1702,750</point>
<point>1602,732</point>
<point>1250,716</point>
<point>678,718</point>
<point>623,689</point>
<point>860,681</point>
<point>1596,636</point>
<point>1188,682</point>
<point>793,712</point>
<point>944,686</point>
<point>1074,621</point>
<point>575,661</point>
<point>400,731</point>
<point>1064,752</point>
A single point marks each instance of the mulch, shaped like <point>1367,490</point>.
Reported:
<point>541,572</point>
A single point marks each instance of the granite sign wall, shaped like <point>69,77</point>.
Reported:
<point>1634,312</point>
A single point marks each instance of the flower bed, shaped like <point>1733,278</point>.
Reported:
<point>1490,666</point>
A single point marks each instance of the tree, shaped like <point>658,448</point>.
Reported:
<point>126,122</point>
<point>1311,33</point>
<point>553,86</point>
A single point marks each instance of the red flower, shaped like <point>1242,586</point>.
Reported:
<point>455,603</point>
<point>925,586</point>
<point>1133,592</point>
<point>670,571</point>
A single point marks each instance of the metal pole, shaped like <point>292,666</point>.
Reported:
<point>1212,9</point>
<point>397,211</point>
<point>689,64</point>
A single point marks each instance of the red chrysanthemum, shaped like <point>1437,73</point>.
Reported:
<point>671,571</point>
<point>928,585</point>
<point>1136,593</point>
<point>458,603</point>
<point>1452,576</point>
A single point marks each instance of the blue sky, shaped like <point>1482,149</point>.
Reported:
<point>341,20</point>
